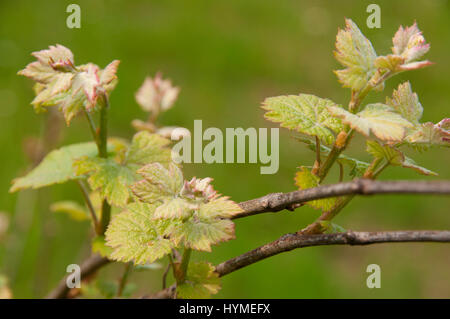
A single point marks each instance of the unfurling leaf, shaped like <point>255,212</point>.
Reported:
<point>304,179</point>
<point>70,87</point>
<point>48,63</point>
<point>378,118</point>
<point>201,282</point>
<point>406,102</point>
<point>410,43</point>
<point>356,53</point>
<point>156,95</point>
<point>392,155</point>
<point>135,236</point>
<point>305,113</point>
<point>409,46</point>
<point>72,209</point>
<point>430,134</point>
<point>395,157</point>
<point>199,188</point>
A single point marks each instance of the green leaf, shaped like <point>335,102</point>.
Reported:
<point>220,207</point>
<point>356,53</point>
<point>109,177</point>
<point>99,246</point>
<point>391,62</point>
<point>392,155</point>
<point>405,102</point>
<point>148,192</point>
<point>200,233</point>
<point>201,282</point>
<point>135,236</point>
<point>395,157</point>
<point>308,114</point>
<point>158,182</point>
<point>148,148</point>
<point>56,167</point>
<point>113,176</point>
<point>331,228</point>
<point>304,179</point>
<point>409,163</point>
<point>357,167</point>
<point>174,208</point>
<point>428,134</point>
<point>377,118</point>
<point>74,210</point>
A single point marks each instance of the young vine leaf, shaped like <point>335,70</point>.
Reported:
<point>406,103</point>
<point>431,134</point>
<point>201,282</point>
<point>156,95</point>
<point>136,236</point>
<point>71,88</point>
<point>199,214</point>
<point>395,157</point>
<point>356,53</point>
<point>304,179</point>
<point>56,167</point>
<point>305,113</point>
<point>112,178</point>
<point>378,118</point>
<point>409,46</point>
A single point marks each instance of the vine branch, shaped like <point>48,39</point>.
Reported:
<point>275,202</point>
<point>292,241</point>
<point>278,201</point>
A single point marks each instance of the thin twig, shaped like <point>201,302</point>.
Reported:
<point>92,127</point>
<point>164,277</point>
<point>124,278</point>
<point>103,152</point>
<point>87,199</point>
<point>292,241</point>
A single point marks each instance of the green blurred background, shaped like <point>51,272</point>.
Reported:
<point>226,56</point>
